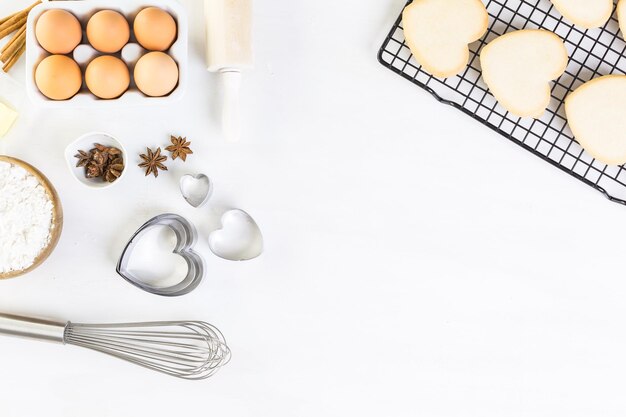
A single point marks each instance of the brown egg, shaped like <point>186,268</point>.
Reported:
<point>155,29</point>
<point>108,31</point>
<point>58,31</point>
<point>107,77</point>
<point>156,74</point>
<point>58,77</point>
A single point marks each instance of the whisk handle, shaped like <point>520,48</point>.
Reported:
<point>32,328</point>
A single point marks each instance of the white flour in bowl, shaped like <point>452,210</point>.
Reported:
<point>25,218</point>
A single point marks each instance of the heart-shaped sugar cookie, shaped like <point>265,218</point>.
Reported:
<point>621,16</point>
<point>438,33</point>
<point>239,238</point>
<point>585,13</point>
<point>596,114</point>
<point>518,67</point>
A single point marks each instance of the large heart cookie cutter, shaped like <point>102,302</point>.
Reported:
<point>186,237</point>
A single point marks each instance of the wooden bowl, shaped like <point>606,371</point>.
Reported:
<point>57,216</point>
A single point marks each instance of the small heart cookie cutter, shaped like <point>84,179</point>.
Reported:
<point>196,189</point>
<point>186,237</point>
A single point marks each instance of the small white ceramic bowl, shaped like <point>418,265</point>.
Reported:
<point>85,143</point>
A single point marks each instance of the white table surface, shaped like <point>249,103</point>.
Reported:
<point>416,262</point>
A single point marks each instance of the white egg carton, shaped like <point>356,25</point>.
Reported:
<point>83,54</point>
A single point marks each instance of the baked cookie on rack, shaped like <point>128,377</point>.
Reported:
<point>596,114</point>
<point>588,14</point>
<point>518,67</point>
<point>621,16</point>
<point>438,33</point>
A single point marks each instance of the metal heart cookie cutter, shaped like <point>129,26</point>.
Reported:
<point>239,237</point>
<point>186,237</point>
<point>196,189</point>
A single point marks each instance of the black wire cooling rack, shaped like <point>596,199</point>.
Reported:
<point>593,53</point>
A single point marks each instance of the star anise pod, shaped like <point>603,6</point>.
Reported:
<point>113,152</point>
<point>114,170</point>
<point>83,158</point>
<point>110,150</point>
<point>99,152</point>
<point>100,147</point>
<point>153,161</point>
<point>179,147</point>
<point>93,170</point>
<point>100,157</point>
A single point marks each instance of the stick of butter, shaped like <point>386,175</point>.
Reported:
<point>7,117</point>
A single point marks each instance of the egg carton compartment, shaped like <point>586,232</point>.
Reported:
<point>84,52</point>
<point>592,53</point>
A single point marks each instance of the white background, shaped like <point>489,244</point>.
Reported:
<point>416,262</point>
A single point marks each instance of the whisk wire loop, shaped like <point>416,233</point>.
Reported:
<point>190,349</point>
